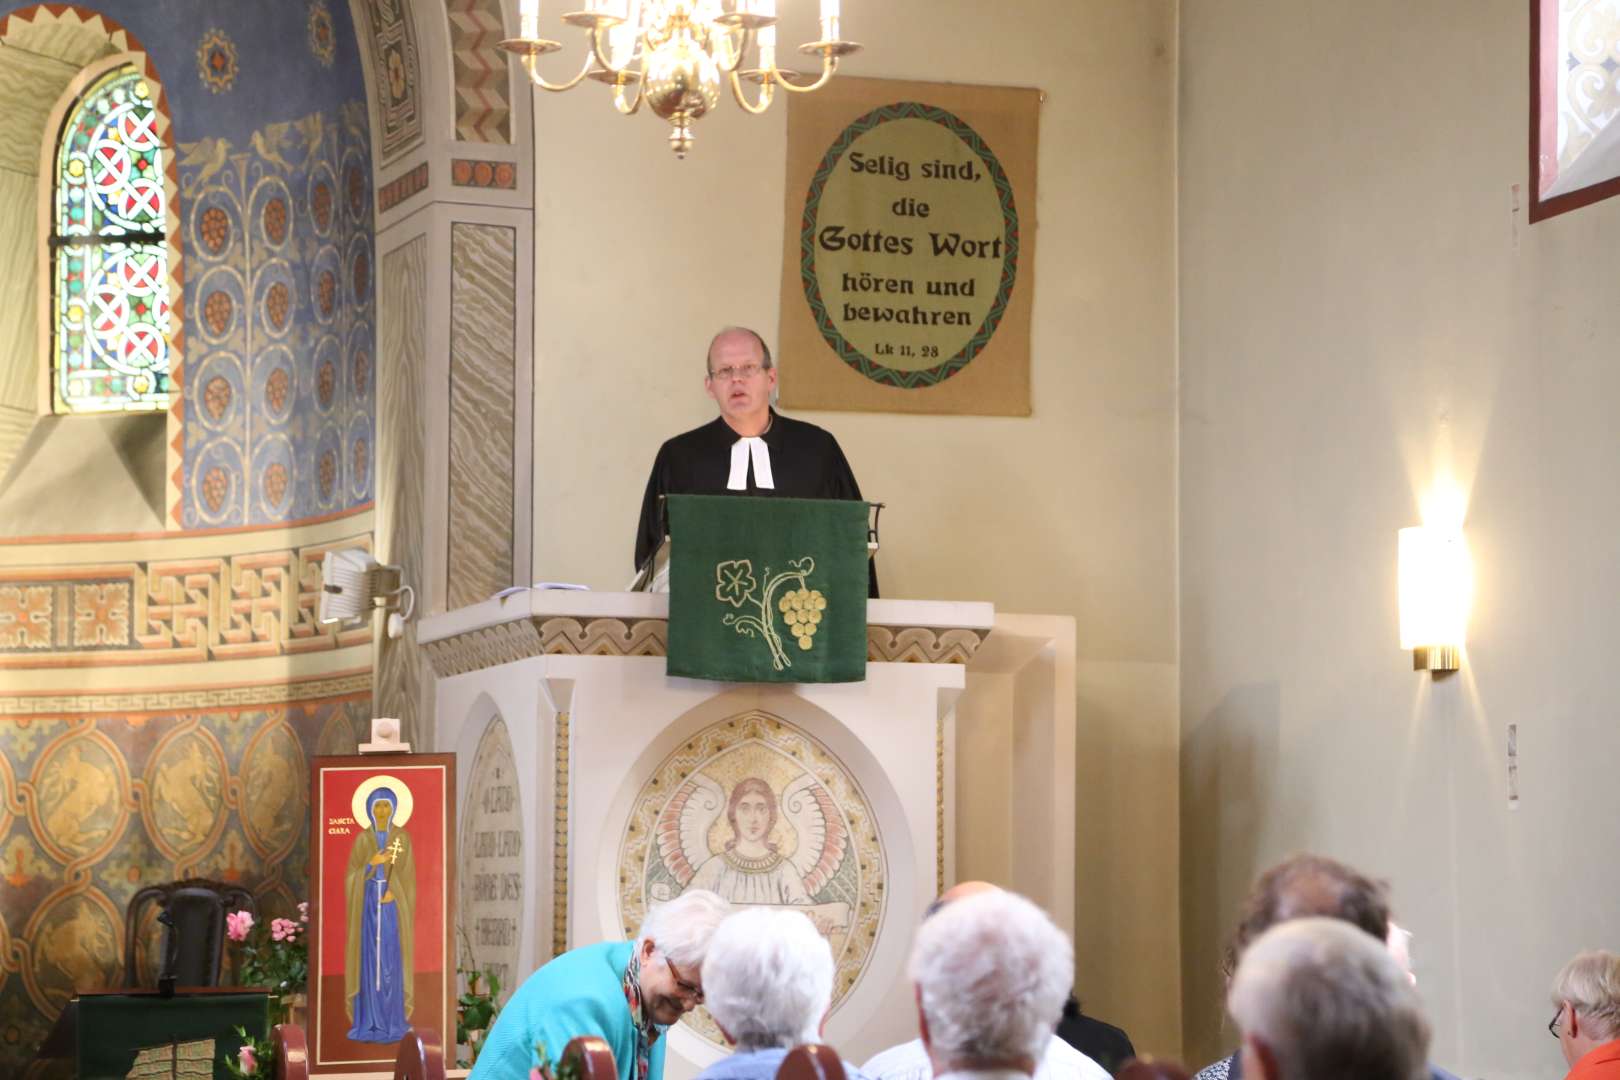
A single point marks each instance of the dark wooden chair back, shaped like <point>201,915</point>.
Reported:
<point>812,1062</point>
<point>595,1058</point>
<point>421,1056</point>
<point>1149,1069</point>
<point>193,948</point>
<point>292,1053</point>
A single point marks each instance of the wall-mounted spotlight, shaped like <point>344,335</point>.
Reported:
<point>1437,585</point>
<point>352,583</point>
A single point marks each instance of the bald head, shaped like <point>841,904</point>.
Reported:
<point>741,379</point>
<point>959,891</point>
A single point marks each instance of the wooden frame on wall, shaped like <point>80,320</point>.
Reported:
<point>376,973</point>
<point>1547,58</point>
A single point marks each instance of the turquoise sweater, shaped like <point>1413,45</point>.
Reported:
<point>578,993</point>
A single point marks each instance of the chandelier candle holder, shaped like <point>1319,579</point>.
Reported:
<point>673,55</point>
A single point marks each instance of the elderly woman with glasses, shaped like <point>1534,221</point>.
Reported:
<point>1587,1023</point>
<point>769,978</point>
<point>625,992</point>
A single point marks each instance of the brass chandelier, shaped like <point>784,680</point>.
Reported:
<point>673,54</point>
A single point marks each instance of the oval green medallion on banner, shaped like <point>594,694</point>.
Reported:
<point>909,245</point>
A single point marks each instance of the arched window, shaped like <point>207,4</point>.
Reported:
<point>109,253</point>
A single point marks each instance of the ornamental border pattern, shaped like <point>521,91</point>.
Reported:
<point>520,639</point>
<point>189,699</point>
<point>559,843</point>
<point>168,611</point>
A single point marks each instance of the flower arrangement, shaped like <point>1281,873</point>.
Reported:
<point>256,1058</point>
<point>276,956</point>
<point>476,1010</point>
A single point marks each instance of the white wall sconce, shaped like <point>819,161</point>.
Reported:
<point>1436,586</point>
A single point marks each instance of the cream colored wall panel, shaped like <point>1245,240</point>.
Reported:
<point>1362,315</point>
<point>20,362</point>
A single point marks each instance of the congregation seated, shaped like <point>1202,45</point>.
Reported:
<point>767,980</point>
<point>1587,1024</point>
<point>1317,999</point>
<point>991,972</point>
<point>1057,1061</point>
<point>1309,886</point>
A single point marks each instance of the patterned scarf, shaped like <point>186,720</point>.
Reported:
<point>646,1031</point>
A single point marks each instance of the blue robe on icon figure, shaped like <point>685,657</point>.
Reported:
<point>379,983</point>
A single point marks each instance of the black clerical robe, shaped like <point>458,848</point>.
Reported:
<point>806,463</point>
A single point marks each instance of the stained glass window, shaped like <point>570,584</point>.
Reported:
<point>110,254</point>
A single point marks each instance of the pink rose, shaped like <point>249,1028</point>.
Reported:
<point>303,911</point>
<point>237,925</point>
<point>536,1074</point>
<point>245,1056</point>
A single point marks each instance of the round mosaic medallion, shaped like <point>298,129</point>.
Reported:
<point>81,791</point>
<point>758,810</point>
<point>362,276</point>
<point>362,372</point>
<point>278,305</point>
<point>276,783</point>
<point>326,292</point>
<point>357,189</point>
<point>275,220</point>
<point>360,462</point>
<point>217,396</point>
<point>217,311</point>
<point>328,474</point>
<point>276,388</point>
<point>186,778</point>
<point>216,484</point>
<point>275,483</point>
<point>215,229</point>
<point>325,384</point>
<point>75,945</point>
<point>320,205</point>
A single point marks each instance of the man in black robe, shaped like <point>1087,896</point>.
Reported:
<point>749,449</point>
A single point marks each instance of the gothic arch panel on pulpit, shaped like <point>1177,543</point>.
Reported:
<point>759,810</point>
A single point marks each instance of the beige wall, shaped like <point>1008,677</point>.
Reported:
<point>639,258</point>
<point>1358,318</point>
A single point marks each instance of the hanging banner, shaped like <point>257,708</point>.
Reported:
<point>909,250</point>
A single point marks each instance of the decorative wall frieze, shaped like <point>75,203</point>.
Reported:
<point>508,642</point>
<point>168,611</point>
<point>402,187</point>
<point>187,699</point>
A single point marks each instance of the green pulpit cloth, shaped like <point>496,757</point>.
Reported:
<point>141,1035</point>
<point>767,589</point>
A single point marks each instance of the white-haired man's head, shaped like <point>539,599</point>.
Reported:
<point>1320,999</point>
<point>1587,993</point>
<point>672,945</point>
<point>992,972</point>
<point>768,978</point>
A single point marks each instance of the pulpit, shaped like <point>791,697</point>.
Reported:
<point>594,785</point>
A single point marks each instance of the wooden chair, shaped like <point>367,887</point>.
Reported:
<point>292,1053</point>
<point>192,949</point>
<point>1149,1069</point>
<point>594,1056</point>
<point>421,1056</point>
<point>812,1062</point>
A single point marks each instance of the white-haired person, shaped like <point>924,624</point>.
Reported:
<point>991,972</point>
<point>1319,999</point>
<point>625,992</point>
<point>1058,1061</point>
<point>1587,1024</point>
<point>768,982</point>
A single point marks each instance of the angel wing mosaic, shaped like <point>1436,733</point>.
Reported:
<point>759,811</point>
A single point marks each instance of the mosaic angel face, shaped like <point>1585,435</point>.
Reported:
<point>752,810</point>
